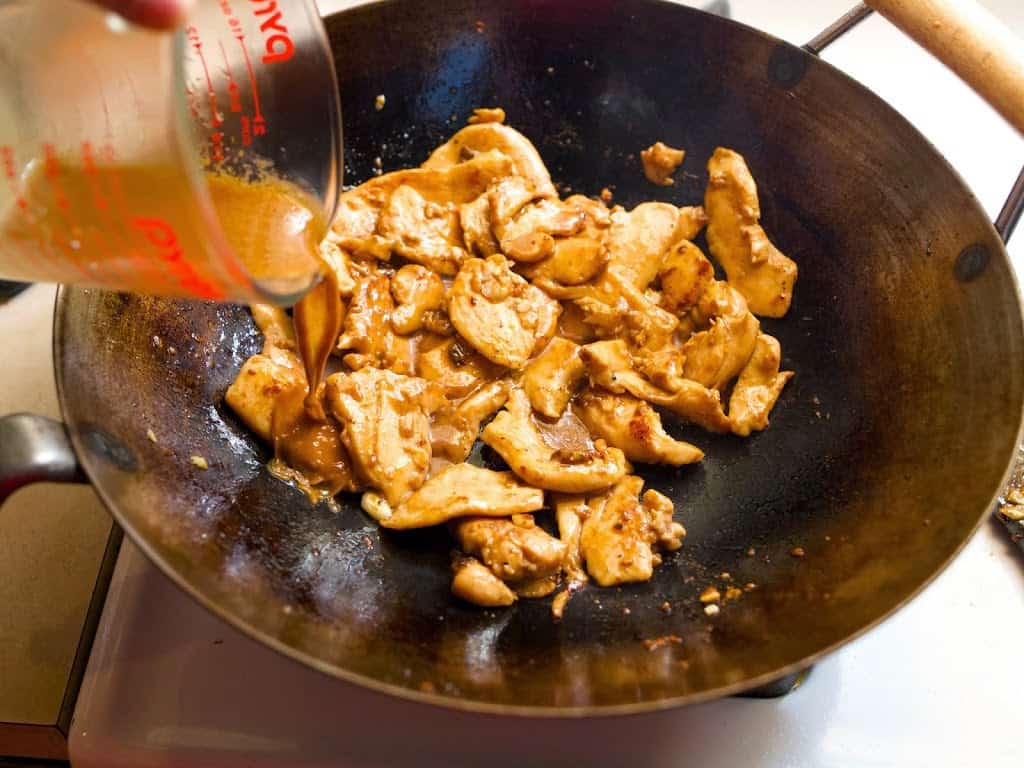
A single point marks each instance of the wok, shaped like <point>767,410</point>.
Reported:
<point>884,452</point>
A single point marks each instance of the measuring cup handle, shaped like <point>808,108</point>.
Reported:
<point>35,449</point>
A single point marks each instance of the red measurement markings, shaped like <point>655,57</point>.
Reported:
<point>145,272</point>
<point>234,95</point>
<point>258,126</point>
<point>162,237</point>
<point>105,223</point>
<point>193,37</point>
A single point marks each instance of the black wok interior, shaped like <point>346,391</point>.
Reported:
<point>883,453</point>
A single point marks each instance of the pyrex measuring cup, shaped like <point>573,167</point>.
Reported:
<point>203,163</point>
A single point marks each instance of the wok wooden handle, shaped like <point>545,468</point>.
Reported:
<point>970,41</point>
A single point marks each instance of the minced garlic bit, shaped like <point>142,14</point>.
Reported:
<point>797,552</point>
<point>151,435</point>
<point>711,610</point>
<point>1015,496</point>
<point>199,461</point>
<point>710,595</point>
<point>380,101</point>
<point>733,592</point>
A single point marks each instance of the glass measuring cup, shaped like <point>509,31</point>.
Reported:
<point>204,163</point>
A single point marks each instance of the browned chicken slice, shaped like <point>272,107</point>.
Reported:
<point>459,490</point>
<point>417,292</point>
<point>685,275</point>
<point>500,314</point>
<point>660,161</point>
<point>692,220</point>
<point>716,356</point>
<point>456,426</point>
<point>340,263</point>
<point>755,267</point>
<point>622,535</point>
<point>359,209</point>
<point>515,550</point>
<point>573,261</point>
<point>570,512</point>
<point>487,115</point>
<point>515,436</point>
<point>367,335</point>
<point>275,325</point>
<point>423,232</point>
<point>506,198</point>
<point>632,426</point>
<point>455,366</point>
<point>473,140</point>
<point>551,378</point>
<point>259,383</point>
<point>637,241</point>
<point>475,583</point>
<point>386,420</point>
<point>475,218</point>
<point>757,388</point>
<point>544,218</point>
<point>610,367</point>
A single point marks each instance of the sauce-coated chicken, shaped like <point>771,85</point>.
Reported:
<point>465,302</point>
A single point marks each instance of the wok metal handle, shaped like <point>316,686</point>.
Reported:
<point>35,449</point>
<point>972,42</point>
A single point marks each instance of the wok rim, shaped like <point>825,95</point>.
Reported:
<point>60,326</point>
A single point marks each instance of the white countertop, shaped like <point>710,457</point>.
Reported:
<point>937,685</point>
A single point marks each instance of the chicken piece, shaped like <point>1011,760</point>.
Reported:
<point>610,367</point>
<point>359,209</point>
<point>506,198</point>
<point>515,550</point>
<point>622,534</point>
<point>755,267</point>
<point>275,325</point>
<point>637,241</point>
<point>455,366</point>
<point>386,419</point>
<point>551,378</point>
<point>259,383</point>
<point>340,263</point>
<point>475,583</point>
<point>570,512</point>
<point>423,232</point>
<point>458,490</point>
<point>573,261</point>
<point>457,426</point>
<point>660,161</point>
<point>515,436</point>
<point>469,143</point>
<point>716,356</point>
<point>500,314</point>
<point>596,216</point>
<point>487,115</point>
<point>692,220</point>
<point>545,217</point>
<point>475,218</point>
<point>417,291</point>
<point>757,388</point>
<point>685,275</point>
<point>616,308</point>
<point>573,326</point>
<point>367,334</point>
<point>632,426</point>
